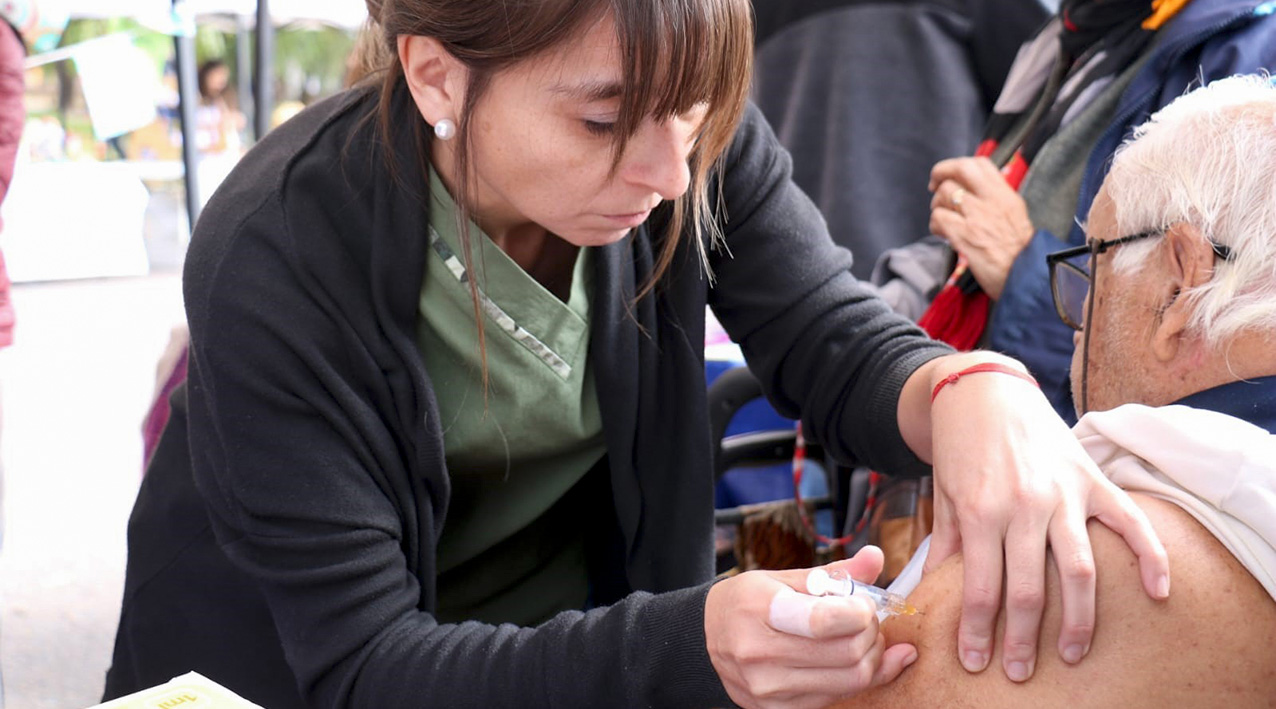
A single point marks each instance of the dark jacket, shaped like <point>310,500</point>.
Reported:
<point>318,453</point>
<point>1207,40</point>
<point>1252,400</point>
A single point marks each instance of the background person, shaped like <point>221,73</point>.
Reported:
<point>365,498</point>
<point>868,96</point>
<point>13,117</point>
<point>15,15</point>
<point>217,123</point>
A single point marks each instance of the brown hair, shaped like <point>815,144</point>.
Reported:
<point>369,56</point>
<point>677,54</point>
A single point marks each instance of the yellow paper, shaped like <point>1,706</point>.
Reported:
<point>190,691</point>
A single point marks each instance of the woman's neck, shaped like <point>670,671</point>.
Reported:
<point>546,258</point>
<point>523,244</point>
<point>543,256</point>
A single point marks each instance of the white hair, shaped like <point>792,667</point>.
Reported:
<point>1208,159</point>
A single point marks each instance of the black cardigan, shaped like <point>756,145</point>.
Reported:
<point>317,454</point>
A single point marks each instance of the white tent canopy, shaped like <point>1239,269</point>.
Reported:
<point>340,13</point>
<point>180,17</point>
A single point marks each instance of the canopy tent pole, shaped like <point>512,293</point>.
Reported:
<point>188,100</point>
<point>243,62</point>
<point>264,98</point>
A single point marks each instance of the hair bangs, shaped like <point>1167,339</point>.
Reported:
<point>680,54</point>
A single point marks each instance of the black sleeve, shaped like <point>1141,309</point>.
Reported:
<point>823,344</point>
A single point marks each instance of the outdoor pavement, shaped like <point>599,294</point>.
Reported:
<point>75,387</point>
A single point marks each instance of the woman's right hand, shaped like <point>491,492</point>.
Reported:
<point>774,646</point>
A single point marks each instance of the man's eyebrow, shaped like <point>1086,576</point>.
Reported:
<point>589,90</point>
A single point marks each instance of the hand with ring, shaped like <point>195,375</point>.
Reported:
<point>981,216</point>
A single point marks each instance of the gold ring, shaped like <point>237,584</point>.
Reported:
<point>958,195</point>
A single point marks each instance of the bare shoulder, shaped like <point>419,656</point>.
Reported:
<point>1210,644</point>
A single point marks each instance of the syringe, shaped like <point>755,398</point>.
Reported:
<point>839,583</point>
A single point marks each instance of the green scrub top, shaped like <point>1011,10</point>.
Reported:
<point>512,547</point>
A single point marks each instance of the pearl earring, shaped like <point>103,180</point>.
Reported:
<point>445,129</point>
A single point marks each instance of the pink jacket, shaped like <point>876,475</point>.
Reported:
<point>12,118</point>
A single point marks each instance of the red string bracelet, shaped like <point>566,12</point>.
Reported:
<point>985,367</point>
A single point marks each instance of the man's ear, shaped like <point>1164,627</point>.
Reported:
<point>1189,263</point>
<point>435,78</point>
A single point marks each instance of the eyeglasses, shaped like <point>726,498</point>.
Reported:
<point>1070,279</point>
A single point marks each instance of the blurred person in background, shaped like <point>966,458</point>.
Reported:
<point>218,126</point>
<point>13,116</point>
<point>217,122</point>
<point>16,15</point>
<point>867,95</point>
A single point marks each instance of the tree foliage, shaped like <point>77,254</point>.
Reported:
<point>306,55</point>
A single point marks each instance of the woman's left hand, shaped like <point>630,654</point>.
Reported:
<point>981,216</point>
<point>1011,481</point>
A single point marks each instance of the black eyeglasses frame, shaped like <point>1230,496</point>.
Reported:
<point>1094,247</point>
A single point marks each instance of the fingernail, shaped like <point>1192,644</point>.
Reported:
<point>1019,671</point>
<point>1163,587</point>
<point>910,658</point>
<point>974,661</point>
<point>1072,654</point>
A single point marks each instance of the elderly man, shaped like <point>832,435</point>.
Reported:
<point>1175,375</point>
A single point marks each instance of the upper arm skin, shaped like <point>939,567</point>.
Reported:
<point>1209,644</point>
